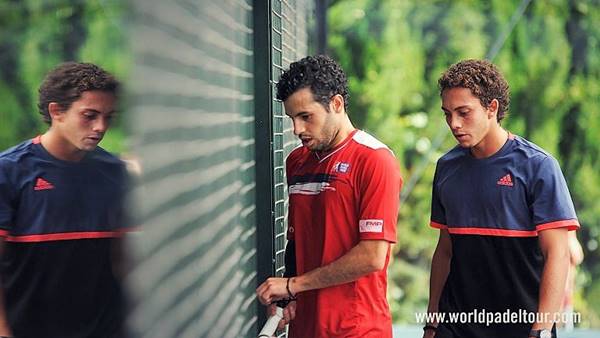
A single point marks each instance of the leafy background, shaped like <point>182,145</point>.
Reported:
<point>37,35</point>
<point>394,52</point>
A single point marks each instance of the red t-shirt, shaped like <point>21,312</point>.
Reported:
<point>338,198</point>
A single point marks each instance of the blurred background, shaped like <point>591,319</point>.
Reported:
<point>200,119</point>
<point>549,52</point>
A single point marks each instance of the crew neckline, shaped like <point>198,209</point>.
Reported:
<point>37,143</point>
<point>503,150</point>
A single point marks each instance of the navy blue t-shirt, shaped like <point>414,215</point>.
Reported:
<point>494,209</point>
<point>61,222</point>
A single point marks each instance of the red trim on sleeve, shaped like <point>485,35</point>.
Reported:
<point>571,224</point>
<point>484,231</point>
<point>493,232</point>
<point>37,139</point>
<point>3,233</point>
<point>66,236</point>
<point>437,225</point>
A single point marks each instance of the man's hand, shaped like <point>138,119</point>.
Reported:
<point>289,313</point>
<point>272,290</point>
<point>429,334</point>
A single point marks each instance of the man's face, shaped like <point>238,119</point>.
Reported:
<point>313,124</point>
<point>83,125</point>
<point>468,120</point>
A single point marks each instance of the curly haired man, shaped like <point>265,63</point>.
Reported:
<point>344,188</point>
<point>504,211</point>
<point>61,215</point>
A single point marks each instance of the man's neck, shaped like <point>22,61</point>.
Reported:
<point>60,148</point>
<point>345,130</point>
<point>491,143</point>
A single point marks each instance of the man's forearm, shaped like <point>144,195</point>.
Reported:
<point>552,288</point>
<point>554,246</point>
<point>366,257</point>
<point>440,267</point>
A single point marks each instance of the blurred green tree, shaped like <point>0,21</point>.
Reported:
<point>35,36</point>
<point>394,52</point>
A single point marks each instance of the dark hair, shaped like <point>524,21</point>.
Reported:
<point>65,84</point>
<point>483,79</point>
<point>323,75</point>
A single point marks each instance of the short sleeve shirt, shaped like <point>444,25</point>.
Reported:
<point>337,199</point>
<point>59,221</point>
<point>494,209</point>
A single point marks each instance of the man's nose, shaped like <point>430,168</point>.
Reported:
<point>298,127</point>
<point>454,122</point>
<point>101,125</point>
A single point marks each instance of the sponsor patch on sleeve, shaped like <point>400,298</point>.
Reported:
<point>370,225</point>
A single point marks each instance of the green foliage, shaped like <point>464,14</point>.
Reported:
<point>394,52</point>
<point>35,36</point>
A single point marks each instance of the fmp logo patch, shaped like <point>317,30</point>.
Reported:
<point>370,225</point>
<point>341,167</point>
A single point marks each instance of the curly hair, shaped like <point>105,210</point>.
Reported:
<point>65,84</point>
<point>483,79</point>
<point>321,73</point>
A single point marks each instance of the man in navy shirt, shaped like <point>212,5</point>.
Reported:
<point>61,214</point>
<point>504,210</point>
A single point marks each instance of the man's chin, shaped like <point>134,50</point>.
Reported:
<point>465,143</point>
<point>89,144</point>
<point>316,148</point>
<point>88,147</point>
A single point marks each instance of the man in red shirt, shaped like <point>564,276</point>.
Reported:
<point>344,188</point>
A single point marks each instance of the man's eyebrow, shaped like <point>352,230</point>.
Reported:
<point>90,110</point>
<point>298,113</point>
<point>457,108</point>
<point>112,112</point>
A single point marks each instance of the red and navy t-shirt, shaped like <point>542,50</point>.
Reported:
<point>494,209</point>
<point>337,199</point>
<point>60,222</point>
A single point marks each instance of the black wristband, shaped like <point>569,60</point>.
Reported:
<point>287,287</point>
<point>429,327</point>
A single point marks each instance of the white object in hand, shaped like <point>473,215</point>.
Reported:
<point>271,325</point>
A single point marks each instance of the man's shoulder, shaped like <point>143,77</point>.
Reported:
<point>366,148</point>
<point>529,150</point>
<point>14,154</point>
<point>368,141</point>
<point>453,155</point>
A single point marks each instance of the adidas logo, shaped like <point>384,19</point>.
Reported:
<point>506,180</point>
<point>42,184</point>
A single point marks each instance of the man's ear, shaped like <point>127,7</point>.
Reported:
<point>55,111</point>
<point>493,109</point>
<point>337,103</point>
